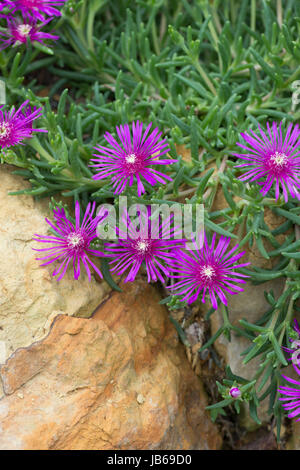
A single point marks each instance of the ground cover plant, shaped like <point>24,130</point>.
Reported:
<point>100,99</point>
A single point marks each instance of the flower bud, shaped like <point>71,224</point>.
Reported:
<point>235,392</point>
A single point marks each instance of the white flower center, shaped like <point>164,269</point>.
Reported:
<point>130,158</point>
<point>142,246</point>
<point>4,129</point>
<point>24,29</point>
<point>208,271</point>
<point>279,159</point>
<point>74,240</point>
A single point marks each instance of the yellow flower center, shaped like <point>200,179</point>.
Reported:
<point>130,158</point>
<point>208,271</point>
<point>279,159</point>
<point>4,129</point>
<point>74,240</point>
<point>24,29</point>
<point>142,246</point>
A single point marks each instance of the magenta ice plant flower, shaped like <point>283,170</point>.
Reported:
<point>17,125</point>
<point>6,3</point>
<point>38,8</point>
<point>73,242</point>
<point>151,245</point>
<point>21,29</point>
<point>209,269</point>
<point>291,396</point>
<point>132,158</point>
<point>272,158</point>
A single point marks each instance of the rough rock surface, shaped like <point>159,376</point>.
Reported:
<point>246,304</point>
<point>118,380</point>
<point>29,296</point>
<point>251,305</point>
<point>294,440</point>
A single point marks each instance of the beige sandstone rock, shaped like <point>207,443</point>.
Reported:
<point>251,305</point>
<point>118,380</point>
<point>294,440</point>
<point>29,296</point>
<point>184,152</point>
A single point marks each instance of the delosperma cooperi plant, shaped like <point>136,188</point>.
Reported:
<point>164,105</point>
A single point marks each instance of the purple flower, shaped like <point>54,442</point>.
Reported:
<point>19,30</point>
<point>235,392</point>
<point>208,270</point>
<point>291,397</point>
<point>35,7</point>
<point>133,158</point>
<point>72,242</point>
<point>152,244</point>
<point>273,158</point>
<point>17,125</point>
<point>6,3</point>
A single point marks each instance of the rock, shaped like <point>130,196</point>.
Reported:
<point>251,305</point>
<point>248,306</point>
<point>294,440</point>
<point>245,304</point>
<point>118,380</point>
<point>185,153</point>
<point>29,296</point>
